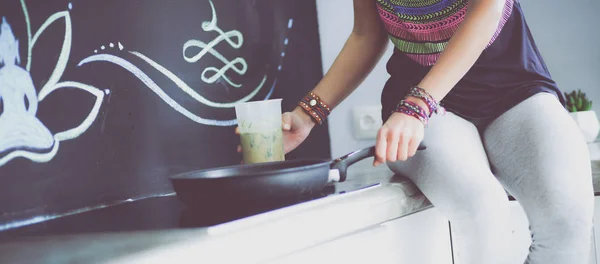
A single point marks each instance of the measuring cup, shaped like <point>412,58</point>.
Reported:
<point>259,124</point>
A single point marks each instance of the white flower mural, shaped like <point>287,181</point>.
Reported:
<point>21,132</point>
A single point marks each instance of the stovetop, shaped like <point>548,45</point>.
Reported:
<point>166,212</point>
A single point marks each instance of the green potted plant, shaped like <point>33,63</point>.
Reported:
<point>580,108</point>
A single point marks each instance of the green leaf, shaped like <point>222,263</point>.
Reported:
<point>572,109</point>
<point>588,105</point>
<point>571,100</point>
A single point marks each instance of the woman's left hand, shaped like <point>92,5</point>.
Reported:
<point>398,138</point>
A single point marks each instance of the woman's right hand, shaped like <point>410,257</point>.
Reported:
<point>296,127</point>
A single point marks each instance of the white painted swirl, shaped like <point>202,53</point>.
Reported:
<point>238,64</point>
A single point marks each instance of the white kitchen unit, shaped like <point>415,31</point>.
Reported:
<point>418,238</point>
<point>422,238</point>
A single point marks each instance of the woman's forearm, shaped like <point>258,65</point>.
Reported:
<point>465,47</point>
<point>356,60</point>
<point>361,52</point>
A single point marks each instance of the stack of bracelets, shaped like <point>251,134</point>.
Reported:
<point>316,108</point>
<point>414,110</point>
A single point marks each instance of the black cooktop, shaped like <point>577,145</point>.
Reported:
<point>156,213</point>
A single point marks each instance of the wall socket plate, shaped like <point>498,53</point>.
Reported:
<point>366,121</point>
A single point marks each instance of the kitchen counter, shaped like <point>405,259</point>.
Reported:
<point>368,198</point>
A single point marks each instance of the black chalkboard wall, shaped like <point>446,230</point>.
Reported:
<point>102,100</point>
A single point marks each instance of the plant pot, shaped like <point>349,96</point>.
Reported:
<point>587,121</point>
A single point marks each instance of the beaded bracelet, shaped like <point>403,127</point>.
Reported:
<point>414,110</point>
<point>315,107</point>
<point>432,104</point>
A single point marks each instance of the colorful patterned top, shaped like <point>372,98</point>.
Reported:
<point>422,28</point>
<point>509,70</point>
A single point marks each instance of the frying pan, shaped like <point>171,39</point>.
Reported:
<point>264,181</point>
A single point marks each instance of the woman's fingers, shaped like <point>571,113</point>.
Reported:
<point>286,121</point>
<point>398,139</point>
<point>413,146</point>
<point>237,132</point>
<point>380,147</point>
<point>403,146</point>
<point>392,145</point>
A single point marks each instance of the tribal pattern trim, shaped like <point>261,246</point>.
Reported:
<point>422,28</point>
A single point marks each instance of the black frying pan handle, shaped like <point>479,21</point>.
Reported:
<point>341,164</point>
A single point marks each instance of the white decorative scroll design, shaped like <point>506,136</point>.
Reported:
<point>210,48</point>
<point>209,75</point>
<point>137,72</point>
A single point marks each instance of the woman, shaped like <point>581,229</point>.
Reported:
<point>506,125</point>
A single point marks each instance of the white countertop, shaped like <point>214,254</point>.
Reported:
<point>254,239</point>
<point>258,238</point>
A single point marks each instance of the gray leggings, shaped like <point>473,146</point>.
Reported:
<point>536,153</point>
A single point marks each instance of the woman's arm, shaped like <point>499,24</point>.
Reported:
<point>362,50</point>
<point>464,48</point>
<point>401,134</point>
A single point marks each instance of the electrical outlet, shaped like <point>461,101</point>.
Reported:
<point>366,121</point>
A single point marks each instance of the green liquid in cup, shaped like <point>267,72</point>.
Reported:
<point>262,146</point>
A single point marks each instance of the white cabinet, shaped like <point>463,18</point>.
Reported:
<point>422,238</point>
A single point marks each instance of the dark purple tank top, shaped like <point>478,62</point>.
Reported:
<point>508,71</point>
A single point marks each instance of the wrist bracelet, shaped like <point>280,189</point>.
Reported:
<point>414,110</point>
<point>432,104</point>
<point>315,107</point>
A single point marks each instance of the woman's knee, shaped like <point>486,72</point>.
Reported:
<point>568,221</point>
<point>489,204</point>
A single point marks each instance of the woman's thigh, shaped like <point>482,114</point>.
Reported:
<point>537,152</point>
<point>453,172</point>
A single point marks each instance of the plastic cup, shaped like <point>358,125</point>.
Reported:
<point>259,124</point>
